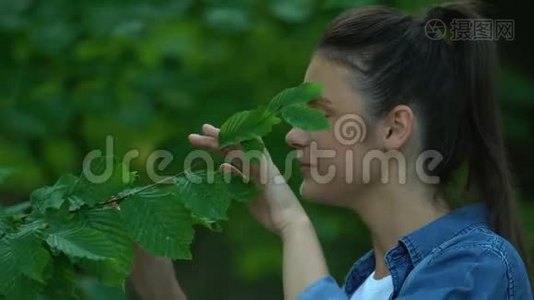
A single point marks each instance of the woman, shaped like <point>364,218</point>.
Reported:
<point>415,90</point>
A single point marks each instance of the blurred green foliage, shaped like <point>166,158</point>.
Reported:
<point>149,73</point>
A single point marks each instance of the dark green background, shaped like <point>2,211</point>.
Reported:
<point>151,72</point>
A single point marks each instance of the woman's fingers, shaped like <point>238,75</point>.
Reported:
<point>210,140</point>
<point>210,130</point>
<point>203,141</point>
<point>229,168</point>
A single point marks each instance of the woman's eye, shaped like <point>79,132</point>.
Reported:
<point>325,112</point>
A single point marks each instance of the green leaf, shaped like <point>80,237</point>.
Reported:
<point>241,189</point>
<point>108,271</point>
<point>8,265</point>
<point>253,148</point>
<point>159,222</point>
<point>35,226</point>
<point>53,196</point>
<point>204,193</point>
<point>301,94</point>
<point>76,241</point>
<point>30,255</point>
<point>6,224</point>
<point>112,271</point>
<point>17,209</point>
<point>23,288</point>
<point>210,224</point>
<point>92,189</point>
<point>246,125</point>
<point>13,283</point>
<point>61,279</point>
<point>305,118</point>
<point>254,144</point>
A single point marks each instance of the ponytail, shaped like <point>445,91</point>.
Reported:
<point>489,177</point>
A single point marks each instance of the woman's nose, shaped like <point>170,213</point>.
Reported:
<point>297,138</point>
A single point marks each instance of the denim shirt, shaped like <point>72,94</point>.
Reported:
<point>456,256</point>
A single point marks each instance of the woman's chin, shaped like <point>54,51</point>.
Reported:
<point>328,194</point>
<point>310,191</point>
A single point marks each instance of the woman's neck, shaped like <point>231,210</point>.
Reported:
<point>393,211</point>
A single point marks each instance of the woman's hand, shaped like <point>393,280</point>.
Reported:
<point>277,209</point>
<point>154,277</point>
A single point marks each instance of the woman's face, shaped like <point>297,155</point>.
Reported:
<point>331,160</point>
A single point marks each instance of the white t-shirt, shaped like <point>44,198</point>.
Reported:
<point>374,289</point>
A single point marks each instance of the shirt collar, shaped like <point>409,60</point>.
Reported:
<point>417,244</point>
<point>422,241</point>
<point>359,271</point>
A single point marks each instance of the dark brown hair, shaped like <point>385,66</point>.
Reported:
<point>450,84</point>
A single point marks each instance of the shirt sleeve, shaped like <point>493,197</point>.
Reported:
<point>325,288</point>
<point>469,273</point>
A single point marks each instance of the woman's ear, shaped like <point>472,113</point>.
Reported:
<point>398,127</point>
